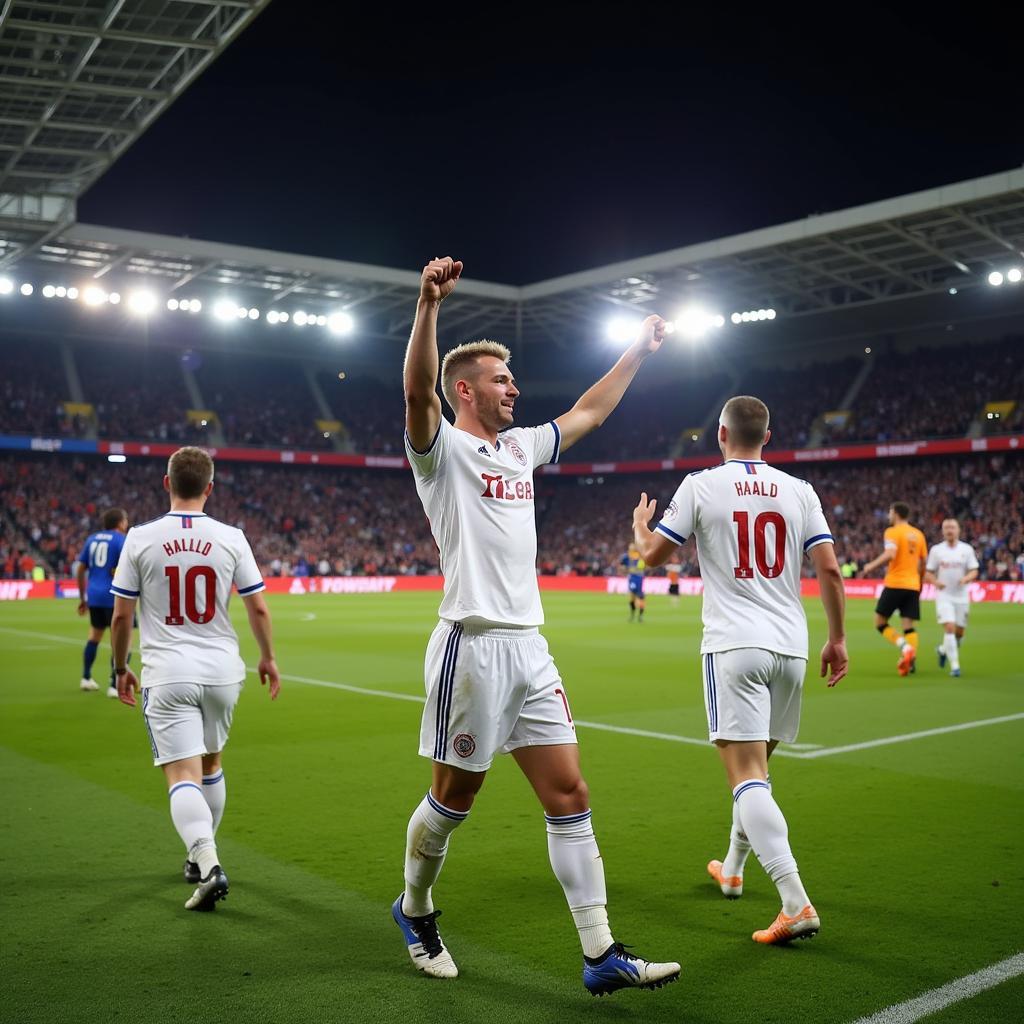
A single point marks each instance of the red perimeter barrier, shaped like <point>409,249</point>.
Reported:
<point>21,590</point>
<point>888,450</point>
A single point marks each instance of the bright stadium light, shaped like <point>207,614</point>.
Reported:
<point>300,318</point>
<point>49,291</point>
<point>340,323</point>
<point>6,286</point>
<point>719,320</point>
<point>114,298</point>
<point>26,289</point>
<point>241,312</point>
<point>622,329</point>
<point>770,314</point>
<point>93,296</point>
<point>224,309</point>
<point>172,304</point>
<point>273,316</point>
<point>254,314</point>
<point>1013,275</point>
<point>995,279</point>
<point>61,291</point>
<point>195,306</point>
<point>284,318</point>
<point>142,302</point>
<point>736,318</point>
<point>117,458</point>
<point>72,293</point>
<point>693,323</point>
<point>321,320</point>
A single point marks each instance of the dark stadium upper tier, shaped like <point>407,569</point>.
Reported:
<point>216,397</point>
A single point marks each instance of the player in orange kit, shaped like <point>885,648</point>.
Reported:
<point>904,555</point>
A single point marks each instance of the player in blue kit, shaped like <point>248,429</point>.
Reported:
<point>634,566</point>
<point>98,559</point>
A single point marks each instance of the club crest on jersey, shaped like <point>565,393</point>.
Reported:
<point>517,452</point>
<point>464,745</point>
<point>670,510</point>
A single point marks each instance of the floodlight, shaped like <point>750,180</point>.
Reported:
<point>224,309</point>
<point>93,296</point>
<point>736,318</point>
<point>172,304</point>
<point>49,291</point>
<point>6,286</point>
<point>114,298</point>
<point>254,314</point>
<point>340,322</point>
<point>300,318</point>
<point>622,330</point>
<point>1013,275</point>
<point>142,302</point>
<point>273,316</point>
<point>26,289</point>
<point>995,279</point>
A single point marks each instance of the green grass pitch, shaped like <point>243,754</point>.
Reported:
<point>910,850</point>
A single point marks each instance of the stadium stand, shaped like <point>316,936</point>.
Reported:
<point>321,521</point>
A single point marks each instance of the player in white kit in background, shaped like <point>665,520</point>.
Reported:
<point>753,525</point>
<point>492,686</point>
<point>951,566</point>
<point>181,568</point>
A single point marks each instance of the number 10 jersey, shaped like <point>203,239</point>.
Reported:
<point>753,525</point>
<point>181,568</point>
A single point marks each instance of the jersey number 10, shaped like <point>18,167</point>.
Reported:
<point>196,573</point>
<point>743,571</point>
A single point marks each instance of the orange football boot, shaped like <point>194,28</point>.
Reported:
<point>906,662</point>
<point>731,885</point>
<point>784,929</point>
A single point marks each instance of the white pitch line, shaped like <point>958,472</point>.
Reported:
<point>886,740</point>
<point>622,729</point>
<point>955,992</point>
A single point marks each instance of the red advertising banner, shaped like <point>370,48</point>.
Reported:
<point>1003,593</point>
<point>837,453</point>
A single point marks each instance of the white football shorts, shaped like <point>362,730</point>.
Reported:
<point>188,719</point>
<point>951,611</point>
<point>753,694</point>
<point>490,691</point>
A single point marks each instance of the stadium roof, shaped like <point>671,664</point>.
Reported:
<point>80,81</point>
<point>882,265</point>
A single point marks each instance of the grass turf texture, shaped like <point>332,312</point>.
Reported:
<point>910,851</point>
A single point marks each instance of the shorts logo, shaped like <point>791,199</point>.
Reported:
<point>464,745</point>
<point>520,456</point>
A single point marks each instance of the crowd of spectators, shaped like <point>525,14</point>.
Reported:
<point>324,521</point>
<point>262,400</point>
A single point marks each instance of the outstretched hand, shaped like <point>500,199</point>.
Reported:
<point>834,661</point>
<point>644,512</point>
<point>652,334</point>
<point>439,279</point>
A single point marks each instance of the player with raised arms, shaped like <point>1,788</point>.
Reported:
<point>97,560</point>
<point>491,684</point>
<point>951,565</point>
<point>180,568</point>
<point>753,525</point>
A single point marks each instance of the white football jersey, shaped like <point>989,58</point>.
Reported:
<point>753,524</point>
<point>951,565</point>
<point>181,567</point>
<point>479,501</point>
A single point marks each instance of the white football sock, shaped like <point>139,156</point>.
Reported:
<point>739,847</point>
<point>768,834</point>
<point>216,794</point>
<point>426,843</point>
<point>949,644</point>
<point>576,862</point>
<point>194,822</point>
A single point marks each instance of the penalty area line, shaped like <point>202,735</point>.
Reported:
<point>946,995</point>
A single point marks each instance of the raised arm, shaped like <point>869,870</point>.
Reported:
<point>422,406</point>
<point>595,405</point>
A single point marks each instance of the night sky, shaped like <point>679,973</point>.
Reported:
<point>532,142</point>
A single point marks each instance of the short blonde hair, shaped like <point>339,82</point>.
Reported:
<point>460,359</point>
<point>190,470</point>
